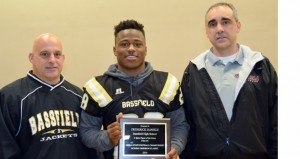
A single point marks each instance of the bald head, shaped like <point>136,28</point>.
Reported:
<point>46,37</point>
<point>47,58</point>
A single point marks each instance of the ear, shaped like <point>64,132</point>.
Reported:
<point>114,50</point>
<point>206,31</point>
<point>63,56</point>
<point>239,25</point>
<point>30,57</point>
<point>145,50</point>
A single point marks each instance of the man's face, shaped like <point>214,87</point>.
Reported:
<point>47,59</point>
<point>222,28</point>
<point>130,50</point>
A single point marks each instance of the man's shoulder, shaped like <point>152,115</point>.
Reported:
<point>16,85</point>
<point>70,86</point>
<point>19,89</point>
<point>162,73</point>
<point>163,76</point>
<point>100,81</point>
<point>98,77</point>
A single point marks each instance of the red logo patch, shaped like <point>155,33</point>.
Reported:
<point>253,78</point>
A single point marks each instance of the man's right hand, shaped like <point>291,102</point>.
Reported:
<point>114,131</point>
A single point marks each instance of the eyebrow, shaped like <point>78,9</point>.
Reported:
<point>222,19</point>
<point>134,40</point>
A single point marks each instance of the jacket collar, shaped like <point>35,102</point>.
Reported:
<point>245,54</point>
<point>35,78</point>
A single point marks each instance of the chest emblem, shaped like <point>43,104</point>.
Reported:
<point>119,91</point>
<point>253,78</point>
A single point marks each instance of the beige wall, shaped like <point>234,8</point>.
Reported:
<point>174,32</point>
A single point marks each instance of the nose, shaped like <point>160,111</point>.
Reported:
<point>131,48</point>
<point>52,58</point>
<point>220,28</point>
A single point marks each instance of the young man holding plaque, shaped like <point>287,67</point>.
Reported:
<point>230,95</point>
<point>130,88</point>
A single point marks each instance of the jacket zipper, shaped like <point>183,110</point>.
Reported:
<point>227,141</point>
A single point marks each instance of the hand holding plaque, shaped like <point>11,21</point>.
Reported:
<point>144,138</point>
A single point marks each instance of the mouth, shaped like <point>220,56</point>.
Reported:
<point>51,68</point>
<point>131,57</point>
<point>221,38</point>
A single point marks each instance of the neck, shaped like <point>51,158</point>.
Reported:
<point>132,72</point>
<point>53,81</point>
<point>224,52</point>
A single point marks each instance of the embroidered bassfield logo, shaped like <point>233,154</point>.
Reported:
<point>119,91</point>
<point>58,131</point>
<point>58,134</point>
<point>253,78</point>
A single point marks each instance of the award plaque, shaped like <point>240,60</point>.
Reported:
<point>144,138</point>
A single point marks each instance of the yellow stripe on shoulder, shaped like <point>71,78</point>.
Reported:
<point>97,92</point>
<point>169,91</point>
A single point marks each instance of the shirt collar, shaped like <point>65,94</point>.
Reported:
<point>213,59</point>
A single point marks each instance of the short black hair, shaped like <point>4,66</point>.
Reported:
<point>229,5</point>
<point>129,24</point>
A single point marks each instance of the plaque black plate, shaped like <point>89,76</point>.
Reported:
<point>144,138</point>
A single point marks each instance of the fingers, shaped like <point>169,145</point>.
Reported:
<point>114,133</point>
<point>114,130</point>
<point>172,154</point>
<point>120,115</point>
